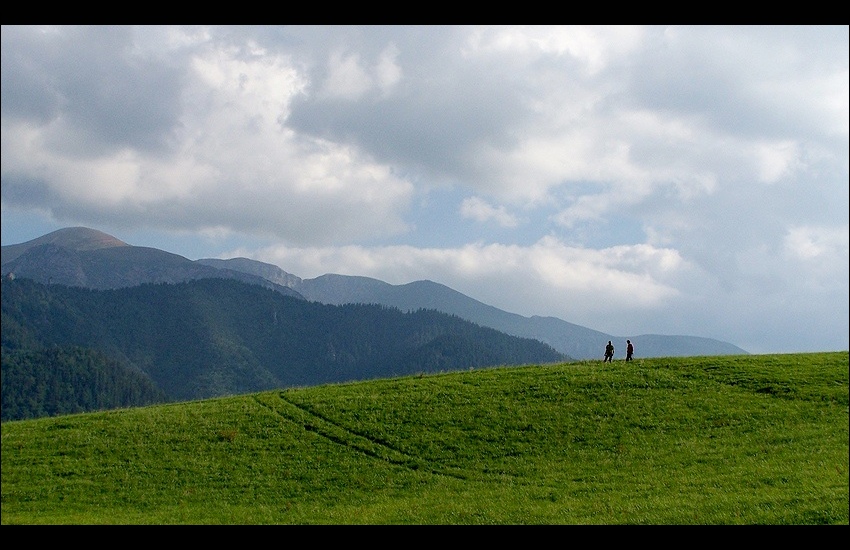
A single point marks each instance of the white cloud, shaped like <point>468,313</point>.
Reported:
<point>656,169</point>
<point>818,243</point>
<point>346,78</point>
<point>593,46</point>
<point>388,72</point>
<point>479,210</point>
<point>548,277</point>
<point>776,160</point>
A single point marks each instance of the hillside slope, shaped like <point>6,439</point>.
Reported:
<point>211,337</point>
<point>735,440</point>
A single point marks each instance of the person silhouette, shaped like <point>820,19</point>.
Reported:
<point>630,350</point>
<point>609,352</point>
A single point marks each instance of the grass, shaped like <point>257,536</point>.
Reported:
<point>695,440</point>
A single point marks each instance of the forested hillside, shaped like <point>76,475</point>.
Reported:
<point>215,337</point>
<point>57,381</point>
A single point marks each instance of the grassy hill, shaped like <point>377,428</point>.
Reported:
<point>755,439</point>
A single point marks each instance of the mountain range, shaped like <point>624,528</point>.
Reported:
<point>88,258</point>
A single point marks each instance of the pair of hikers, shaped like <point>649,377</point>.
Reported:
<point>609,351</point>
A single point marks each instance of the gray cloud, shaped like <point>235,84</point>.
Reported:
<point>630,179</point>
<point>90,86</point>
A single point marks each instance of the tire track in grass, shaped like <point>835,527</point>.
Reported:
<point>341,435</point>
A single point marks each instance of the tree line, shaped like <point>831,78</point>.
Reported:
<point>69,349</point>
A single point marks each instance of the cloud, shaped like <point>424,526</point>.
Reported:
<point>233,164</point>
<point>688,179</point>
<point>479,210</point>
<point>546,277</point>
<point>817,243</point>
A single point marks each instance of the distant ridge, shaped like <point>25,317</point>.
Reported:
<point>267,271</point>
<point>84,257</point>
<point>573,340</point>
<point>80,256</point>
<point>570,339</point>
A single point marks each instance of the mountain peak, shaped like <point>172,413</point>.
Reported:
<point>71,238</point>
<point>76,238</point>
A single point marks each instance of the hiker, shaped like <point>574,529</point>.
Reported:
<point>630,349</point>
<point>609,352</point>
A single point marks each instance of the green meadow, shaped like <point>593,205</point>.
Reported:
<point>755,439</point>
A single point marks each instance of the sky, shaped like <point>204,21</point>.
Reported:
<point>630,179</point>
